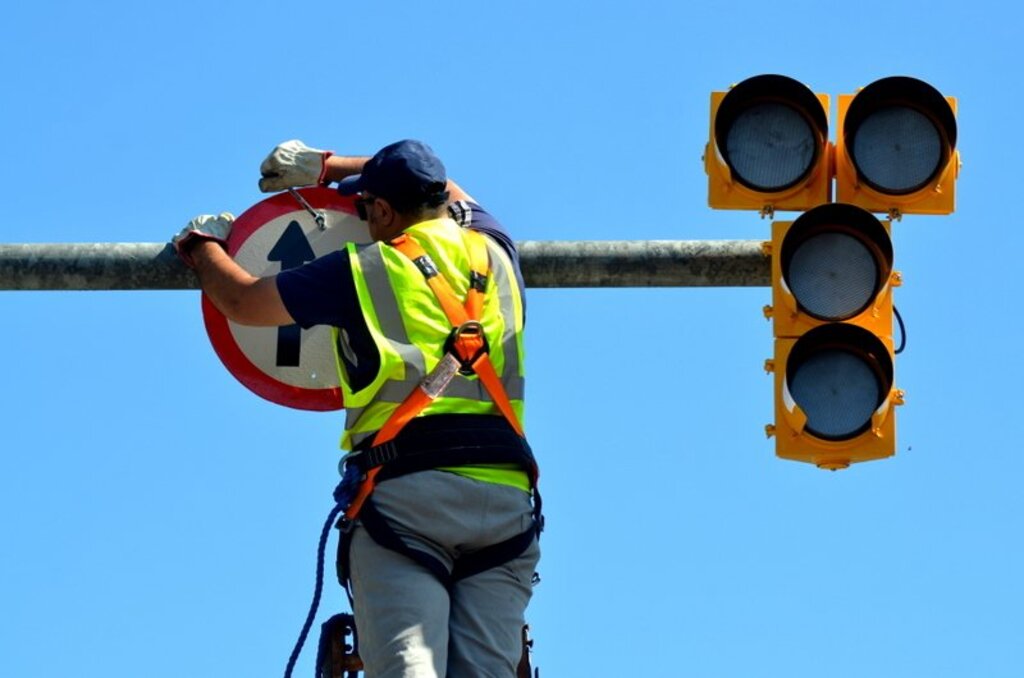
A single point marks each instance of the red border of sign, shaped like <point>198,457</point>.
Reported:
<point>217,328</point>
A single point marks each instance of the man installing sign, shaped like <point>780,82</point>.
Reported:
<point>440,541</point>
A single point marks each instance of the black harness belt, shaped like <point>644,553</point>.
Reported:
<point>444,440</point>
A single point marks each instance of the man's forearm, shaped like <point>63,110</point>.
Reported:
<point>240,296</point>
<point>220,277</point>
<point>337,167</point>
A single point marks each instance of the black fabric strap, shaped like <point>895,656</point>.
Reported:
<point>436,441</point>
<point>375,456</point>
<point>447,440</point>
<point>466,565</point>
<point>478,281</point>
<point>342,564</point>
<point>381,532</point>
<point>426,266</point>
<point>494,555</point>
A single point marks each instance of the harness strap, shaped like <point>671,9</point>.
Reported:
<point>414,403</point>
<point>479,270</point>
<point>442,440</point>
<point>466,353</point>
<point>469,346</point>
<point>470,564</point>
<point>492,382</point>
<point>448,440</point>
<point>377,527</point>
<point>465,566</point>
<point>458,315</point>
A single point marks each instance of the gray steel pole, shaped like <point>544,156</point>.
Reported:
<point>582,263</point>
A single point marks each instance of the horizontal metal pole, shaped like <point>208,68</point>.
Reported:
<point>580,263</point>
<point>644,263</point>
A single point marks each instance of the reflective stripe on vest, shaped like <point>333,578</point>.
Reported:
<point>378,272</point>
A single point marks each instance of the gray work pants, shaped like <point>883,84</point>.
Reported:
<point>409,624</point>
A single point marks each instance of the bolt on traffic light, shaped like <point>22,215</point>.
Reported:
<point>768,146</point>
<point>896,148</point>
<point>832,281</point>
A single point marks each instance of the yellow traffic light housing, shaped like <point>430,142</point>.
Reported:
<point>832,281</point>
<point>768,146</point>
<point>833,264</point>
<point>896,148</point>
<point>835,397</point>
<point>832,274</point>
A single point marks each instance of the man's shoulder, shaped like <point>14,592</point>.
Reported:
<point>468,214</point>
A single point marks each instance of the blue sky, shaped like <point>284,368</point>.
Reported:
<point>158,519</point>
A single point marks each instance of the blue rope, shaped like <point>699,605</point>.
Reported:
<point>324,534</point>
<point>343,494</point>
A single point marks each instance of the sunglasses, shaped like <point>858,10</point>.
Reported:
<point>362,204</point>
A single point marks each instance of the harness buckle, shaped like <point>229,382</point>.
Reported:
<point>467,343</point>
<point>344,525</point>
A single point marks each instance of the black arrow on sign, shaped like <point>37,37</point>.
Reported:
<point>292,250</point>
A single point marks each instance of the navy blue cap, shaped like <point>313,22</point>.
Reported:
<point>405,173</point>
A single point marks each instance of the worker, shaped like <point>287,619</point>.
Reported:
<point>441,543</point>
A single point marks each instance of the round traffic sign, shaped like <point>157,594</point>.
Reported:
<point>287,365</point>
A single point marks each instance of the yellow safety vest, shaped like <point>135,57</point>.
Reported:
<point>409,329</point>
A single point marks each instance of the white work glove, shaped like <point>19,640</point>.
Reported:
<point>203,227</point>
<point>292,164</point>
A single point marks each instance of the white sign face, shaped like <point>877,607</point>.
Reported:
<point>286,365</point>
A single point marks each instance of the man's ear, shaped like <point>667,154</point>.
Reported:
<point>386,213</point>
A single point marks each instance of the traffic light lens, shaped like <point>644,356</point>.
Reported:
<point>897,150</point>
<point>838,391</point>
<point>832,275</point>
<point>770,147</point>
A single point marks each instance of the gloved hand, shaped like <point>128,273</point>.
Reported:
<point>203,227</point>
<point>291,164</point>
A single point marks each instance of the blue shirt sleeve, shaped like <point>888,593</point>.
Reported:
<point>321,292</point>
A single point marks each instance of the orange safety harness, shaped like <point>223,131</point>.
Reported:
<point>466,350</point>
